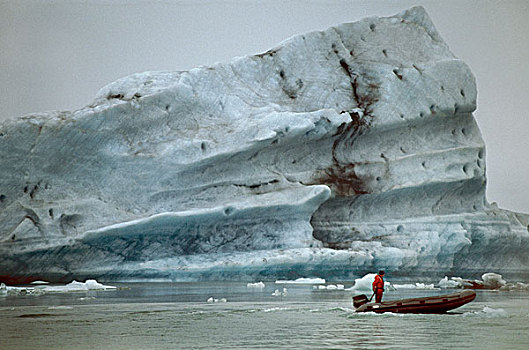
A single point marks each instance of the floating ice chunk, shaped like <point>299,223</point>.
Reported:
<point>462,282</point>
<point>449,283</point>
<point>214,300</point>
<point>276,309</point>
<point>417,286</point>
<point>76,286</point>
<point>365,283</point>
<point>302,281</point>
<point>493,280</point>
<point>405,286</point>
<point>494,312</point>
<point>489,280</point>
<point>423,286</point>
<point>518,286</point>
<point>38,290</point>
<point>258,285</point>
<point>94,285</point>
<point>331,287</point>
<point>87,298</point>
<point>278,293</point>
<point>488,312</point>
<point>8,290</point>
<point>39,282</point>
<point>60,307</point>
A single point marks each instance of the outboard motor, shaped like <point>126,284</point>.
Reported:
<point>359,300</point>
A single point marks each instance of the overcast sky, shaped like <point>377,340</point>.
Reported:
<point>56,54</point>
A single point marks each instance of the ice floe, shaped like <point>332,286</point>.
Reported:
<point>215,300</point>
<point>257,285</point>
<point>276,309</point>
<point>278,293</point>
<point>302,281</point>
<point>74,286</point>
<point>417,286</point>
<point>449,283</point>
<point>488,312</point>
<point>489,280</point>
<point>330,287</point>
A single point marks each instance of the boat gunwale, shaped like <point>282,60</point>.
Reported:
<point>436,302</point>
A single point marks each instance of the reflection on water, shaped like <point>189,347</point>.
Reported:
<point>164,315</point>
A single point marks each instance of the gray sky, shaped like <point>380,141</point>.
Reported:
<point>56,54</point>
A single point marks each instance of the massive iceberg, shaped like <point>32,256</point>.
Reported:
<point>334,154</point>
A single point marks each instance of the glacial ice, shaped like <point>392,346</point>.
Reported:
<point>278,293</point>
<point>257,285</point>
<point>74,286</point>
<point>449,283</point>
<point>332,155</point>
<point>215,300</point>
<point>489,280</point>
<point>416,285</point>
<point>302,280</point>
<point>487,312</point>
<point>330,287</point>
<point>493,280</point>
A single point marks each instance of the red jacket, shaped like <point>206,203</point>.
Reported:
<point>378,283</point>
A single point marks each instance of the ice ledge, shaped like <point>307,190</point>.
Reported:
<point>288,204</point>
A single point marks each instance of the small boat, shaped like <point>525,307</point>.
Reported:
<point>427,305</point>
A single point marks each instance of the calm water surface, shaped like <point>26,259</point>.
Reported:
<point>178,316</point>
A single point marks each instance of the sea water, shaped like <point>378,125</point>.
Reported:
<point>231,315</point>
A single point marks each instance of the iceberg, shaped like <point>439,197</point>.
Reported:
<point>74,286</point>
<point>331,155</point>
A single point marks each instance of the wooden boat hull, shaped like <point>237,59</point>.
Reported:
<point>426,305</point>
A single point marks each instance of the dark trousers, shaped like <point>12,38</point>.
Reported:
<point>378,295</point>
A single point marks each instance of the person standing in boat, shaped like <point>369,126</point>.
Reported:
<point>378,286</point>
